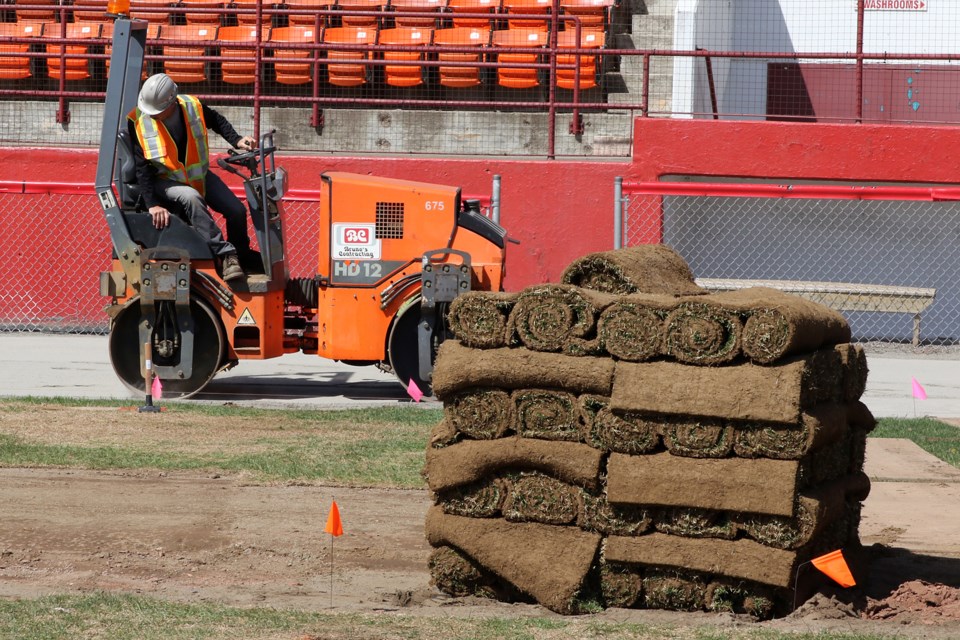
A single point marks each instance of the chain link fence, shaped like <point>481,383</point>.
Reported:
<point>885,257</point>
<point>490,77</point>
<point>50,264</point>
<point>54,243</point>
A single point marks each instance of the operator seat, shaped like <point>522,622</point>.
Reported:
<point>127,186</point>
<point>179,233</point>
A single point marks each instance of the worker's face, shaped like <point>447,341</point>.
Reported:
<point>166,113</point>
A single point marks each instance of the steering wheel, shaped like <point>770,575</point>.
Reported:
<point>246,159</point>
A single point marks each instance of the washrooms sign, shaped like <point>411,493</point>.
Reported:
<point>894,5</point>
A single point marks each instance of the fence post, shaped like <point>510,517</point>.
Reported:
<point>495,199</point>
<point>618,212</point>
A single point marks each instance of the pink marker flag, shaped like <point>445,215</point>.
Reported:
<point>414,391</point>
<point>156,389</point>
<point>918,391</point>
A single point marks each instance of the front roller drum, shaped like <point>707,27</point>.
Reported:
<point>126,352</point>
<point>403,349</point>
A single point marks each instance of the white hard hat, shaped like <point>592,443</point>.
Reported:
<point>157,93</point>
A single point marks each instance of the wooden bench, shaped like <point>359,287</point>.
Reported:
<point>843,296</point>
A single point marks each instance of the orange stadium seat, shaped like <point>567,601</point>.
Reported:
<point>465,76</point>
<point>473,6</point>
<point>361,5</point>
<point>294,72</point>
<point>242,66</point>
<point>415,38</point>
<point>528,7</point>
<point>157,11</point>
<point>193,36</point>
<point>76,68</point>
<point>416,13</point>
<point>153,31</point>
<point>589,39</point>
<point>90,11</point>
<point>307,12</point>
<point>593,14</point>
<point>193,14</point>
<point>247,12</point>
<point>17,68</point>
<point>519,77</point>
<point>348,75</point>
<point>37,15</point>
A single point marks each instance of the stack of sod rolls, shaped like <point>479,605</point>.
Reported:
<point>626,439</point>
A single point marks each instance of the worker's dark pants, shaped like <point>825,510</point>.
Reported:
<point>185,200</point>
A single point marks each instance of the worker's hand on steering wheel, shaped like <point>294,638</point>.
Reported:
<point>247,143</point>
<point>161,217</point>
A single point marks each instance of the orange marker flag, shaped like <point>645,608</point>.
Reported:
<point>334,526</point>
<point>835,567</point>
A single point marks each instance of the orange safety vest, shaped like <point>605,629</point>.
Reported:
<point>160,149</point>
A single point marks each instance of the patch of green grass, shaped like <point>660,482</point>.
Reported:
<point>413,415</point>
<point>381,446</point>
<point>939,438</point>
<point>127,617</point>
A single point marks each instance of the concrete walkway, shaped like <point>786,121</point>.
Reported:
<point>77,366</point>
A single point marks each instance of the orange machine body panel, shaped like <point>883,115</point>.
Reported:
<point>253,328</point>
<point>373,234</point>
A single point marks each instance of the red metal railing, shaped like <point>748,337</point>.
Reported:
<point>549,64</point>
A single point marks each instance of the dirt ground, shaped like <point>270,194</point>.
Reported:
<point>197,538</point>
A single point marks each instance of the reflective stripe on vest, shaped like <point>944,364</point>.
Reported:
<point>160,149</point>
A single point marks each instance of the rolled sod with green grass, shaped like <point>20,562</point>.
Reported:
<point>621,585</point>
<point>698,437</point>
<point>547,414</point>
<point>459,367</point>
<point>632,327</point>
<point>479,318</point>
<point>535,497</point>
<point>815,510</point>
<point>630,432</point>
<point>481,499</point>
<point>821,425</point>
<point>651,268</point>
<point>457,575</point>
<point>674,589</point>
<point>740,596</point>
<point>526,554</point>
<point>558,318</point>
<point>780,324</point>
<point>597,514</point>
<point>695,523</point>
<point>703,333</point>
<point>476,460</point>
<point>480,413</point>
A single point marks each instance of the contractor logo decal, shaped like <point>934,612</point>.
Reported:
<point>355,241</point>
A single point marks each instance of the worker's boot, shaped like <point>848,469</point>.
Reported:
<point>231,267</point>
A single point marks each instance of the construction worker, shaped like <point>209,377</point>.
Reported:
<point>170,148</point>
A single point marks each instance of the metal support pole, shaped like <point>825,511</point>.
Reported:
<point>859,61</point>
<point>495,200</point>
<point>618,212</point>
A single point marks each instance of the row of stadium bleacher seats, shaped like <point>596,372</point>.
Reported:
<point>296,53</point>
<point>592,14</point>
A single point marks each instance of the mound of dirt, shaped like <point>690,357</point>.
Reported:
<point>917,602</point>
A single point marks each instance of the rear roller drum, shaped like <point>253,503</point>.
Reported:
<point>208,350</point>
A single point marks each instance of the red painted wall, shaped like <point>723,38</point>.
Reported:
<point>795,151</point>
<point>557,210</point>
